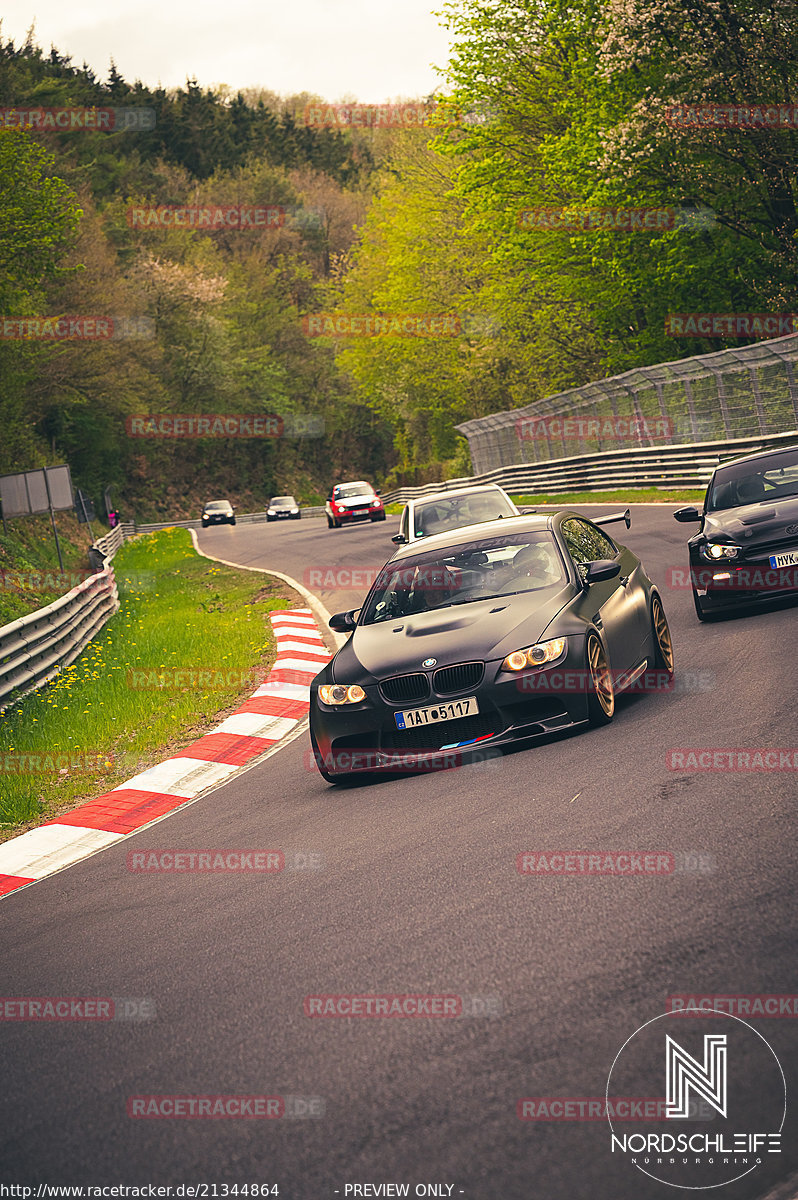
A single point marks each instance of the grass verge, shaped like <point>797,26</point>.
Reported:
<point>190,640</point>
<point>30,575</point>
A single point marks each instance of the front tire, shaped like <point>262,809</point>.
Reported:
<point>601,692</point>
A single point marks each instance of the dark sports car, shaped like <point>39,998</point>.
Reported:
<point>746,551</point>
<point>218,512</point>
<point>485,636</point>
<point>283,508</point>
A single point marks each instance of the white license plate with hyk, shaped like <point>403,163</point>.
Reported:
<point>788,559</point>
<point>413,717</point>
<point>360,512</point>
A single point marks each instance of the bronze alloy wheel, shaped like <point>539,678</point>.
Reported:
<point>601,699</point>
<point>663,645</point>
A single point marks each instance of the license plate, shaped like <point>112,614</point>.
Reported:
<point>788,559</point>
<point>413,717</point>
<point>360,512</point>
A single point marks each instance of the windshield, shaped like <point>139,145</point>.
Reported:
<point>452,512</point>
<point>351,489</point>
<point>483,570</point>
<point>285,501</point>
<point>217,504</point>
<point>754,482</point>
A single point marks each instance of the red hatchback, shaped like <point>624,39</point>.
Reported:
<point>349,502</point>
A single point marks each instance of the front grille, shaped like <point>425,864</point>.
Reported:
<point>459,678</point>
<point>405,688</point>
<point>443,733</point>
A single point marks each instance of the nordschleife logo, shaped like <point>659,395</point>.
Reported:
<point>725,1099</point>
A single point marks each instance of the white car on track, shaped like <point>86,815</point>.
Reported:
<point>438,512</point>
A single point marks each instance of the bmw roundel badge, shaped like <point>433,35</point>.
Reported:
<point>429,662</point>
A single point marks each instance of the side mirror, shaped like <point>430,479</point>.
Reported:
<point>525,511</point>
<point>399,539</point>
<point>378,491</point>
<point>685,515</point>
<point>601,569</point>
<point>343,622</point>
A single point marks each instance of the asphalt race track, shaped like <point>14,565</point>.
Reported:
<point>415,890</point>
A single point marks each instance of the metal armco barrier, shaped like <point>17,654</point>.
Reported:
<point>688,466</point>
<point>33,649</point>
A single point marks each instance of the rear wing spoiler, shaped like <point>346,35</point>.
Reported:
<point>626,517</point>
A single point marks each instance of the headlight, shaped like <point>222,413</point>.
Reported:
<point>535,656</point>
<point>294,510</point>
<point>715,550</point>
<point>337,693</point>
<point>270,512</point>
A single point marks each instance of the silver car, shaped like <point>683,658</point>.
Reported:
<point>441,511</point>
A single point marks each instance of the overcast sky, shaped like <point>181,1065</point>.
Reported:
<point>369,50</point>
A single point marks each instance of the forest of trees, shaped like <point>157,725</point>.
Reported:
<point>547,105</point>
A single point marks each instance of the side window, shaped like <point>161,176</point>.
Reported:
<point>404,529</point>
<point>586,543</point>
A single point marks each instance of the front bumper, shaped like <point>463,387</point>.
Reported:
<point>729,584</point>
<point>363,738</point>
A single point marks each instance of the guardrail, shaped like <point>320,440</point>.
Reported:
<point>687,466</point>
<point>34,648</point>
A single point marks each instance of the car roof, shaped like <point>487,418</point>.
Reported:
<point>444,494</point>
<point>755,457</point>
<point>465,534</point>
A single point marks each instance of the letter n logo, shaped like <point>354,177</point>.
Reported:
<point>684,1072</point>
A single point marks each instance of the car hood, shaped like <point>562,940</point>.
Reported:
<point>483,629</point>
<point>756,524</point>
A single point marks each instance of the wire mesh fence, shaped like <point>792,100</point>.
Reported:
<point>729,394</point>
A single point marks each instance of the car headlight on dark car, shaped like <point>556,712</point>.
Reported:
<point>535,656</point>
<point>339,693</point>
<point>715,550</point>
